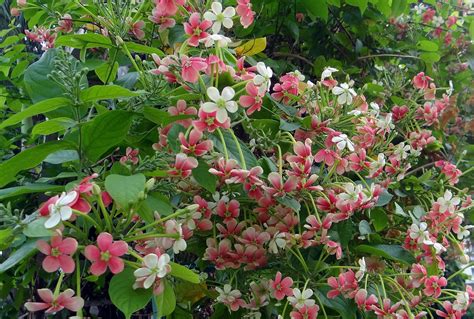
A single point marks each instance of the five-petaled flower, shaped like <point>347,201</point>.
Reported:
<point>106,254</point>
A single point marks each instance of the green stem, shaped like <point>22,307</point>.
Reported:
<point>96,225</point>
<point>154,235</point>
<point>78,284</point>
<point>162,220</point>
<point>107,218</point>
<point>239,149</point>
<point>280,160</point>
<point>460,271</point>
<point>226,154</point>
<point>58,285</point>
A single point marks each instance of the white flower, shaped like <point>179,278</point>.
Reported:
<point>464,232</point>
<point>221,40</point>
<point>438,21</point>
<point>362,269</point>
<point>419,8</point>
<point>222,103</point>
<point>300,299</point>
<point>375,166</point>
<point>299,75</point>
<point>342,141</point>
<point>227,294</point>
<point>277,242</point>
<point>220,17</point>
<point>262,79</point>
<point>385,124</point>
<point>375,109</point>
<point>451,88</point>
<point>179,244</point>
<point>462,301</point>
<point>60,211</point>
<point>419,233</point>
<point>352,193</point>
<point>448,203</point>
<point>344,93</point>
<point>310,84</point>
<point>154,268</point>
<point>327,72</point>
<point>401,151</point>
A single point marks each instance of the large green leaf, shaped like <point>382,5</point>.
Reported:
<point>204,178</point>
<point>140,48</point>
<point>87,40</point>
<point>249,158</point>
<point>28,189</point>
<point>28,159</point>
<point>37,229</point>
<point>166,301</point>
<point>393,252</point>
<point>184,273</point>
<point>318,8</point>
<point>103,92</point>
<point>35,109</point>
<point>361,4</point>
<point>345,308</point>
<point>125,190</point>
<point>124,297</point>
<point>18,255</point>
<point>52,126</point>
<point>104,132</point>
<point>154,202</point>
<point>162,117</point>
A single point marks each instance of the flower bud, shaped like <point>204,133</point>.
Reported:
<point>96,189</point>
<point>149,184</point>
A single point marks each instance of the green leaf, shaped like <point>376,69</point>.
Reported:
<point>384,199</point>
<point>398,7</point>
<point>290,202</point>
<point>426,45</point>
<point>392,252</point>
<point>28,159</point>
<point>140,48</point>
<point>249,158</point>
<point>400,211</point>
<point>28,189</point>
<point>62,156</point>
<point>318,8</point>
<point>52,126</point>
<point>104,92</point>
<point>162,117</point>
<point>104,132</point>
<point>36,229</point>
<point>184,273</point>
<point>379,218</point>
<point>154,202</point>
<point>107,72</point>
<point>81,41</point>
<point>361,4</point>
<point>35,109</point>
<point>124,297</point>
<point>364,228</point>
<point>346,308</point>
<point>204,178</point>
<point>173,135</point>
<point>6,238</point>
<point>18,255</point>
<point>125,190</point>
<point>430,57</point>
<point>166,301</point>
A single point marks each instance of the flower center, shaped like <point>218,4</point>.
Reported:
<point>197,31</point>
<point>105,256</point>
<point>220,17</point>
<point>220,103</point>
<point>55,252</point>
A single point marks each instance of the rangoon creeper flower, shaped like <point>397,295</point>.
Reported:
<point>220,17</point>
<point>222,103</point>
<point>448,203</point>
<point>154,267</point>
<point>342,141</point>
<point>262,79</point>
<point>362,269</point>
<point>344,93</point>
<point>61,211</point>
<point>301,298</point>
<point>327,72</point>
<point>221,40</point>
<point>419,233</point>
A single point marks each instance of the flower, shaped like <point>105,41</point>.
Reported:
<point>433,286</point>
<point>301,298</point>
<point>191,68</point>
<point>61,210</point>
<point>159,16</point>
<point>262,79</point>
<point>130,156</point>
<point>281,287</point>
<point>419,232</point>
<point>58,254</point>
<point>327,73</point>
<point>154,267</point>
<point>362,269</point>
<point>106,254</point>
<point>244,10</point>
<point>137,29</point>
<point>221,40</point>
<point>220,17</point>
<point>342,142</point>
<point>421,81</point>
<point>305,312</point>
<point>196,29</point>
<point>448,203</point>
<point>65,24</point>
<point>344,93</point>
<point>208,122</point>
<point>230,297</point>
<point>183,166</point>
<point>54,304</point>
<point>222,103</point>
<point>192,145</point>
<point>254,100</point>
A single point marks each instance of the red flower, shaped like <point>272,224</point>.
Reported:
<point>254,100</point>
<point>279,188</point>
<point>196,29</point>
<point>209,122</point>
<point>106,254</point>
<point>194,147</point>
<point>244,10</point>
<point>58,254</point>
<point>433,286</point>
<point>228,210</point>
<point>421,81</point>
<point>130,156</point>
<point>281,287</point>
<point>191,67</point>
<point>183,166</point>
<point>52,304</point>
<point>305,312</point>
<point>181,108</point>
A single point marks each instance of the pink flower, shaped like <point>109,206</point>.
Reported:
<point>244,10</point>
<point>52,304</point>
<point>65,24</point>
<point>279,188</point>
<point>325,155</point>
<point>421,81</point>
<point>418,275</point>
<point>399,112</point>
<point>208,122</point>
<point>305,312</point>
<point>281,287</point>
<point>449,311</point>
<point>193,146</point>
<point>130,157</point>
<point>345,284</point>
<point>183,165</point>
<point>58,254</point>
<point>254,100</point>
<point>299,17</point>
<point>181,108</point>
<point>170,7</point>
<point>106,254</point>
<point>362,301</point>
<point>191,67</point>
<point>428,15</point>
<point>159,16</point>
<point>137,29</point>
<point>433,286</point>
<point>196,29</point>
<point>228,210</point>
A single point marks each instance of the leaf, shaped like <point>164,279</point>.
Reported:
<point>52,126</point>
<point>288,126</point>
<point>81,41</point>
<point>104,92</point>
<point>384,199</point>
<point>379,218</point>
<point>252,47</point>
<point>173,135</point>
<point>344,307</point>
<point>318,8</point>
<point>18,255</point>
<point>125,190</point>
<point>392,252</point>
<point>184,273</point>
<point>400,211</point>
<point>28,159</point>
<point>204,178</point>
<point>104,132</point>
<point>140,48</point>
<point>364,228</point>
<point>426,45</point>
<point>62,156</point>
<point>430,57</point>
<point>290,202</point>
<point>166,301</point>
<point>35,109</point>
<point>124,297</point>
<point>107,72</point>
<point>28,189</point>
<point>361,4</point>
<point>36,229</point>
<point>419,211</point>
<point>154,202</point>
<point>249,158</point>
<point>398,7</point>
<point>6,237</point>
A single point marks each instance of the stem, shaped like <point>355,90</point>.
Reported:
<point>107,218</point>
<point>239,149</point>
<point>460,270</point>
<point>78,284</point>
<point>154,235</point>
<point>226,154</point>
<point>58,285</point>
<point>161,220</point>
<point>280,160</point>
<point>96,225</point>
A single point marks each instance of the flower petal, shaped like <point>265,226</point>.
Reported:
<point>209,107</point>
<point>118,248</point>
<point>228,93</point>
<point>213,93</point>
<point>104,240</point>
<point>50,264</point>
<point>116,265</point>
<point>92,253</point>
